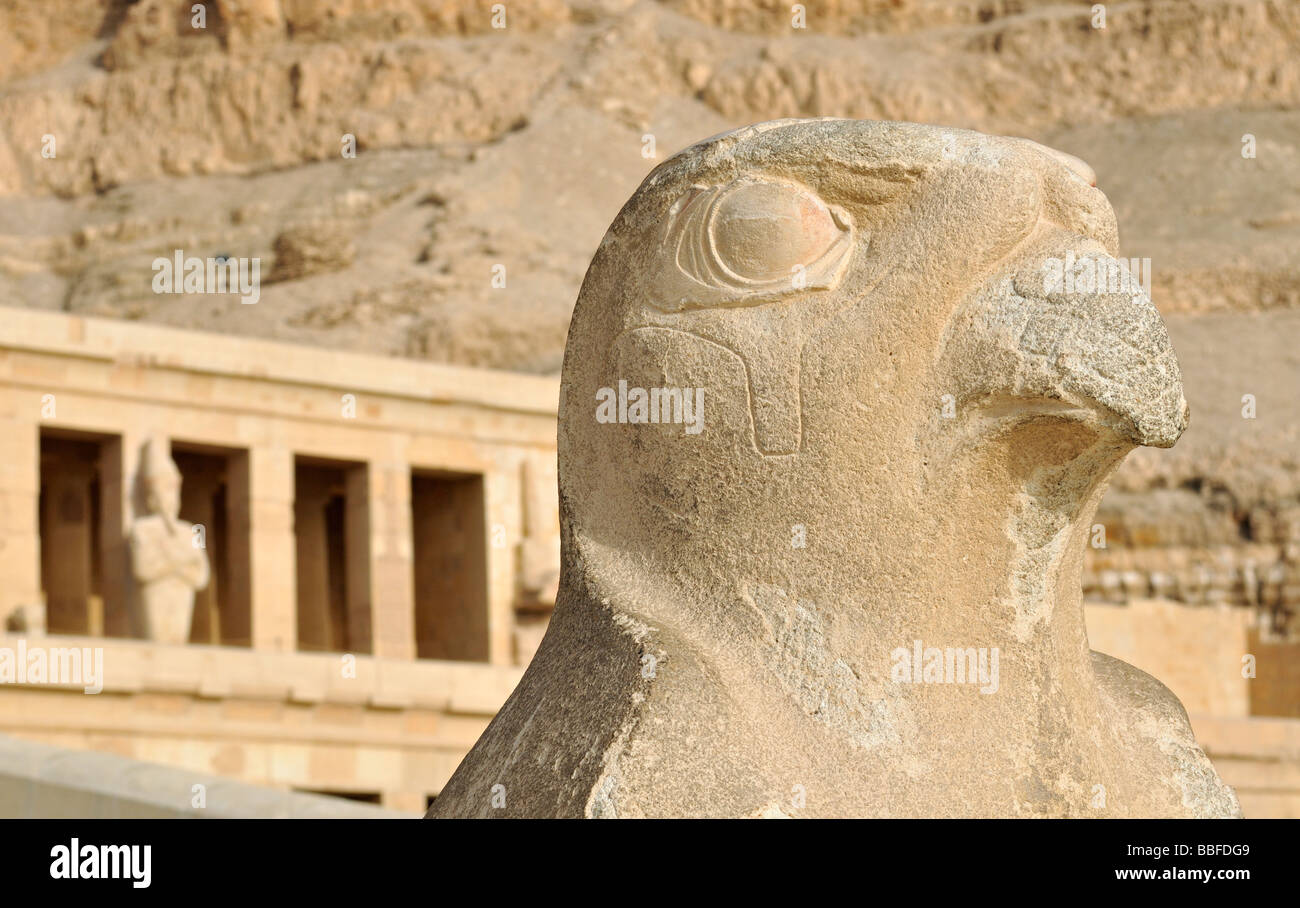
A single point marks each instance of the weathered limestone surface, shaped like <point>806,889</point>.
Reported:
<point>904,429</point>
<point>37,780</point>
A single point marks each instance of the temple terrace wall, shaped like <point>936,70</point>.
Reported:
<point>381,535</point>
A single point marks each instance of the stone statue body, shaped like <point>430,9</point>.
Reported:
<point>855,592</point>
<point>167,566</point>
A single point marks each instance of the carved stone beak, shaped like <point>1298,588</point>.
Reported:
<point>1078,327</point>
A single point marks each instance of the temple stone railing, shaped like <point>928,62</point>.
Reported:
<point>41,782</point>
<point>326,722</point>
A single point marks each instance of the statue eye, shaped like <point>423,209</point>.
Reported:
<point>747,242</point>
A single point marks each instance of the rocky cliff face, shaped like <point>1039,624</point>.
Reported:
<point>489,161</point>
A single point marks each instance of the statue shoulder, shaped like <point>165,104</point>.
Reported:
<point>1162,750</point>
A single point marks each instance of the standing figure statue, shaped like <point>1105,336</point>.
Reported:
<point>168,567</point>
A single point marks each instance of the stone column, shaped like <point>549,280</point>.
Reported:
<point>20,482</point>
<point>273,587</point>
<point>392,579</point>
<point>539,559</point>
<point>504,527</point>
<point>119,459</point>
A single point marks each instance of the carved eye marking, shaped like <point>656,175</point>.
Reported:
<point>747,242</point>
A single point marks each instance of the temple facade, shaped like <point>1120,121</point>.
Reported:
<point>380,536</point>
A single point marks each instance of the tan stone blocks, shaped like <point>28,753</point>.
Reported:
<point>290,720</point>
<point>260,710</point>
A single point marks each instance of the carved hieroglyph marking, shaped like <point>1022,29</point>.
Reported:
<point>774,420</point>
<point>734,247</point>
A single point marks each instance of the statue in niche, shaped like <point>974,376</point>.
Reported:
<point>168,566</point>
